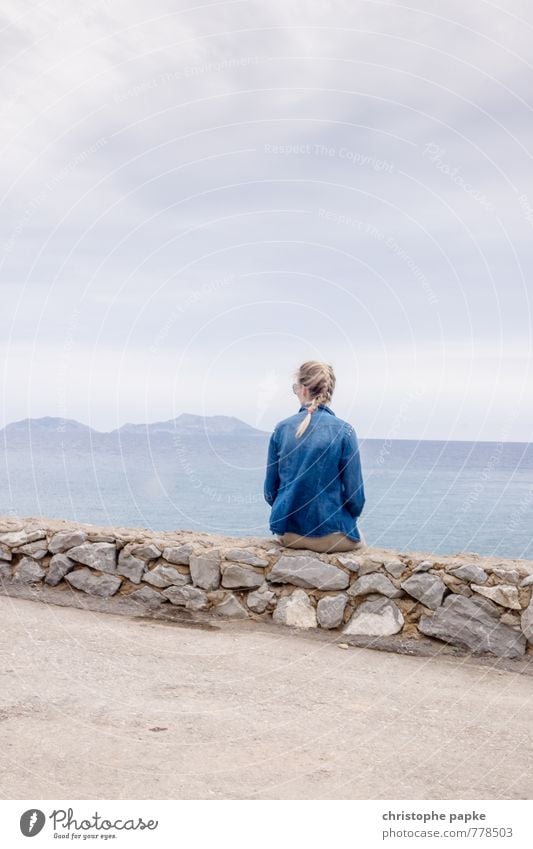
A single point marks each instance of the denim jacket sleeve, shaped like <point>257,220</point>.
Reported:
<point>351,475</point>
<point>271,484</point>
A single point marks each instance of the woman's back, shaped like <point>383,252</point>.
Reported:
<point>314,482</point>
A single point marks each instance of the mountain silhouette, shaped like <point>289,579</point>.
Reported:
<point>53,432</point>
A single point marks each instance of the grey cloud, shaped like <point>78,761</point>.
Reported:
<point>148,154</point>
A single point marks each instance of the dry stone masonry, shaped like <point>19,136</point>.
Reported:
<point>480,604</point>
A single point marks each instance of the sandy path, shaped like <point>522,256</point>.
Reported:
<point>246,711</point>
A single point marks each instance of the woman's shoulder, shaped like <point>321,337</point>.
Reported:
<point>334,422</point>
<point>287,422</point>
<point>347,429</point>
<point>340,424</point>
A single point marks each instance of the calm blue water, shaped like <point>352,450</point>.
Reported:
<point>436,496</point>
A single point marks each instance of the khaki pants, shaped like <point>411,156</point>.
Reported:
<point>327,543</point>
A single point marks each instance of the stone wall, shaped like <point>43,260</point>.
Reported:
<point>480,604</point>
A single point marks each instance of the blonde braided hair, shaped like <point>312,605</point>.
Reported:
<point>320,380</point>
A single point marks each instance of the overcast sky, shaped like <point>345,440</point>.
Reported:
<point>196,198</point>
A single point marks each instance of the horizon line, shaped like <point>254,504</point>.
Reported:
<point>259,430</point>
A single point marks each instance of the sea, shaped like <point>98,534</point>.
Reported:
<point>441,497</point>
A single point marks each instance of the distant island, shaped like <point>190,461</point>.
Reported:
<point>54,431</point>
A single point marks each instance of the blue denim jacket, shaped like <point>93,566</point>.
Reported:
<point>314,483</point>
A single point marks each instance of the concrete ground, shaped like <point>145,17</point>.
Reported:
<point>104,706</point>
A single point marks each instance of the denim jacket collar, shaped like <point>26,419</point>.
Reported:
<point>320,407</point>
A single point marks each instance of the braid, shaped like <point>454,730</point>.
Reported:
<point>320,380</point>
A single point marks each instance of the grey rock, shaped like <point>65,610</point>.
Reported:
<point>510,618</point>
<point>426,588</point>
<point>470,572</point>
<point>33,549</point>
<point>259,600</point>
<point>5,571</point>
<point>527,581</point>
<point>28,571</point>
<point>189,597</point>
<point>147,551</point>
<point>6,553</point>
<point>309,572</point>
<point>526,622</point>
<point>508,576</point>
<point>370,563</point>
<point>234,575</point>
<point>205,569</point>
<point>99,585</point>
<point>424,566</point>
<point>505,566</point>
<point>505,595</point>
<point>97,555</point>
<point>300,552</point>
<point>148,597</point>
<point>295,610</point>
<point>130,566</point>
<point>15,538</point>
<point>351,562</point>
<point>59,565</point>
<point>488,606</point>
<point>101,536</point>
<point>464,622</point>
<point>330,610</point>
<point>395,568</point>
<point>178,554</point>
<point>244,555</point>
<point>375,618</point>
<point>374,583</point>
<point>455,584</point>
<point>165,576</point>
<point>63,540</point>
<point>231,607</point>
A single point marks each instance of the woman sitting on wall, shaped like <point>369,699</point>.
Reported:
<point>313,479</point>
